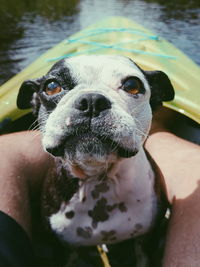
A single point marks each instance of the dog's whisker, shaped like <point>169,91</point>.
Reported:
<point>142,134</point>
<point>34,124</point>
<point>31,128</point>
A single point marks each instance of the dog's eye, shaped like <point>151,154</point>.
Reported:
<point>53,88</point>
<point>133,86</point>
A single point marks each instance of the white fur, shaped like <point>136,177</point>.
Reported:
<point>129,184</point>
<point>130,181</point>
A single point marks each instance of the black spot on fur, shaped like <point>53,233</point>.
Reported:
<point>138,226</point>
<point>108,235</point>
<point>112,207</point>
<point>84,232</point>
<point>99,188</point>
<point>63,75</point>
<point>136,230</point>
<point>84,199</point>
<point>59,187</point>
<point>99,212</point>
<point>122,207</point>
<point>70,214</point>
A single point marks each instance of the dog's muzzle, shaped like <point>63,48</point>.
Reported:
<point>90,136</point>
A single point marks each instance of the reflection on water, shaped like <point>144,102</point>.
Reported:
<point>28,28</point>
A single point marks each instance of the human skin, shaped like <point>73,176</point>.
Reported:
<point>23,166</point>
<point>179,161</point>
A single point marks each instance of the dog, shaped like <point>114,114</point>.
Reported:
<point>95,113</point>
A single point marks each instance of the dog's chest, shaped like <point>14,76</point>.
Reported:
<point>106,212</point>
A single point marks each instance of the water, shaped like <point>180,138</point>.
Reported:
<point>28,28</point>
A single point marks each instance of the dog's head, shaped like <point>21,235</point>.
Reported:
<point>95,109</point>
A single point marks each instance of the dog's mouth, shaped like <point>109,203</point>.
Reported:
<point>90,145</point>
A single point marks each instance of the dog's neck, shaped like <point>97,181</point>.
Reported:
<point>136,166</point>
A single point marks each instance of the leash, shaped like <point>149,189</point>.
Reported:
<point>104,257</point>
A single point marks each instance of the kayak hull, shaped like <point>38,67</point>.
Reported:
<point>115,35</point>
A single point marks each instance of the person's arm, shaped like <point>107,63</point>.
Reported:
<point>179,161</point>
<point>23,164</point>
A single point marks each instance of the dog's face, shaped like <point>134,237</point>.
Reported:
<point>97,108</point>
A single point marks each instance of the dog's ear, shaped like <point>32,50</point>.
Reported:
<point>161,88</point>
<point>27,95</point>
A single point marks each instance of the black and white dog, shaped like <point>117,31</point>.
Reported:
<point>95,113</point>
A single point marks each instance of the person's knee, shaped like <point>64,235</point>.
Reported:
<point>22,155</point>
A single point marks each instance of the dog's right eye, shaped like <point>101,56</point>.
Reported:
<point>53,88</point>
<point>133,86</point>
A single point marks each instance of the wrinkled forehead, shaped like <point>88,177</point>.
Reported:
<point>102,68</point>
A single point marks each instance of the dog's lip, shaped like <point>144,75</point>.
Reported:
<point>124,152</point>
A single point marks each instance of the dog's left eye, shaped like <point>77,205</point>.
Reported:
<point>133,86</point>
<point>53,88</point>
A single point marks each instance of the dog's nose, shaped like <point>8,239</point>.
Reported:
<point>92,104</point>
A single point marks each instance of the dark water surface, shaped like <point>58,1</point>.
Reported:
<point>28,28</point>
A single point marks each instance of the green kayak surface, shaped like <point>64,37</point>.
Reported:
<point>116,35</point>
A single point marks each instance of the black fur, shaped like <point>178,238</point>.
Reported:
<point>161,88</point>
<point>160,85</point>
<point>58,72</point>
<point>25,95</point>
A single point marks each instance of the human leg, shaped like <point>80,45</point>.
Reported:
<point>179,161</point>
<point>22,167</point>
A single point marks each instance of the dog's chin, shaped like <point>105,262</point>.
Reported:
<point>91,148</point>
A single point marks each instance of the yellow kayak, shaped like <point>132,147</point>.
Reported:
<point>116,35</point>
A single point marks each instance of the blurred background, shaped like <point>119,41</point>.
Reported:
<point>28,28</point>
